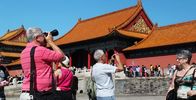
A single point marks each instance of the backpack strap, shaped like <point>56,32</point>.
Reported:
<point>193,79</point>
<point>92,74</point>
<point>185,73</point>
<point>175,87</point>
<point>32,73</point>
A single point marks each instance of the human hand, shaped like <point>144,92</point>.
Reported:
<point>4,83</point>
<point>117,57</point>
<point>191,93</point>
<point>113,57</point>
<point>49,37</point>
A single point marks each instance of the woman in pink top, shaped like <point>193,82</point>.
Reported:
<point>64,80</point>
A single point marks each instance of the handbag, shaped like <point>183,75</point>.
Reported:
<point>171,95</point>
<point>192,97</point>
<point>91,88</point>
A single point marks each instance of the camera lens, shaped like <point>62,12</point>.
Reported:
<point>53,33</point>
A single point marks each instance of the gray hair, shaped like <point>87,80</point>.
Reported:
<point>98,53</point>
<point>185,54</point>
<point>32,33</point>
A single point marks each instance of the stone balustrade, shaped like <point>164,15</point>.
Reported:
<point>147,86</point>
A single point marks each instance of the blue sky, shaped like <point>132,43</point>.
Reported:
<point>64,14</point>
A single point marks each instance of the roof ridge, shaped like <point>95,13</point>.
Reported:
<point>11,32</point>
<point>18,32</point>
<point>156,28</point>
<point>68,31</point>
<point>14,30</point>
<point>136,12</point>
<point>131,33</point>
<point>109,13</point>
<point>177,24</point>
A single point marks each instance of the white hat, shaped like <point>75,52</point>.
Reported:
<point>66,61</point>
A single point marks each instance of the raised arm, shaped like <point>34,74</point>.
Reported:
<point>119,63</point>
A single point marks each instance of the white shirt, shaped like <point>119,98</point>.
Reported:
<point>102,74</point>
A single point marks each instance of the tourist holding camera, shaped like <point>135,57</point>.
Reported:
<point>102,75</point>
<point>43,58</point>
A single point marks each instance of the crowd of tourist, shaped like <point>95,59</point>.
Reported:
<point>129,71</point>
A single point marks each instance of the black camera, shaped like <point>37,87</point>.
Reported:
<point>53,33</point>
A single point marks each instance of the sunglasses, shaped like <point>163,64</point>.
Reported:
<point>180,58</point>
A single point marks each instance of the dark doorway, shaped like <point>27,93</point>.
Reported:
<point>80,58</point>
<point>110,53</point>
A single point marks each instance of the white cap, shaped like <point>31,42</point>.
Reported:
<point>66,61</point>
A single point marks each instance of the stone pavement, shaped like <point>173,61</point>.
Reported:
<point>84,97</point>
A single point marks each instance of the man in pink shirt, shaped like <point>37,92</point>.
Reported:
<point>43,62</point>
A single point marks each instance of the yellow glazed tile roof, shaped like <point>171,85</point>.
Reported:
<point>168,35</point>
<point>98,26</point>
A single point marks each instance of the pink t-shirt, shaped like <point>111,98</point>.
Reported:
<point>43,59</point>
<point>64,82</point>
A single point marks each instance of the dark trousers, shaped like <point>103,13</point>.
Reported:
<point>58,95</point>
<point>65,95</point>
<point>74,95</point>
<point>47,96</point>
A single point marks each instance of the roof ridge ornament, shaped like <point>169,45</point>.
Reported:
<point>79,20</point>
<point>156,24</point>
<point>154,27</point>
<point>139,2</point>
<point>22,26</point>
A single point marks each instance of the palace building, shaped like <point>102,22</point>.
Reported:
<point>160,47</point>
<point>12,43</point>
<point>128,32</point>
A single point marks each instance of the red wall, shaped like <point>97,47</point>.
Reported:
<point>15,72</point>
<point>158,60</point>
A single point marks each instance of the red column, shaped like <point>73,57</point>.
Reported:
<point>70,60</point>
<point>106,54</point>
<point>89,60</point>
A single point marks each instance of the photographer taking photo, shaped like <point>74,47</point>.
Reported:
<point>102,75</point>
<point>43,58</point>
